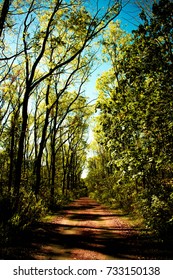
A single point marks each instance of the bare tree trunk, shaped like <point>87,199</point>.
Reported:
<point>11,157</point>
<point>21,143</point>
<point>53,155</point>
<point>4,13</point>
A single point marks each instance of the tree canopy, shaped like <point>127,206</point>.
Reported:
<point>134,125</point>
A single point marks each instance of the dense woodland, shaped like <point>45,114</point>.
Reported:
<point>133,162</point>
<point>49,50</point>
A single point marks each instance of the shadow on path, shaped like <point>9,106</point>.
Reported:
<point>83,233</point>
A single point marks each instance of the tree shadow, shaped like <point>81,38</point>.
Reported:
<point>53,240</point>
<point>56,241</point>
<point>96,216</point>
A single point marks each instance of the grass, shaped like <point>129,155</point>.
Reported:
<point>134,220</point>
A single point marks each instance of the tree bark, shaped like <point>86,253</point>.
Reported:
<point>4,13</point>
<point>21,143</point>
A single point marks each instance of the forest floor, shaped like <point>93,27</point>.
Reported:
<point>86,230</point>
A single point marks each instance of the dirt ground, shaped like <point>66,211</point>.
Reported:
<point>86,230</point>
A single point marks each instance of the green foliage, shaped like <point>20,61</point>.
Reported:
<point>43,109</point>
<point>135,123</point>
<point>157,209</point>
<point>16,218</point>
<point>60,200</point>
<point>28,210</point>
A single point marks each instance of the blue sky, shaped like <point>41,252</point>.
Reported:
<point>129,17</point>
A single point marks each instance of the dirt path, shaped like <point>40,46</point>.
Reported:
<point>86,230</point>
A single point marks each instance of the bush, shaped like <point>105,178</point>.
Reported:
<point>28,210</point>
<point>157,211</point>
<point>60,200</point>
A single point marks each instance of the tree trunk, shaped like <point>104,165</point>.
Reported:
<point>53,153</point>
<point>37,168</point>
<point>21,143</point>
<point>11,157</point>
<point>4,13</point>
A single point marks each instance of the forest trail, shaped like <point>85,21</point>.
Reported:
<point>86,230</point>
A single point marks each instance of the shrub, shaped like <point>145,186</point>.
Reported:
<point>30,209</point>
<point>157,211</point>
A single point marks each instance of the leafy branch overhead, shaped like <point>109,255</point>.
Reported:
<point>47,56</point>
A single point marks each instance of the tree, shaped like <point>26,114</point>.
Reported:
<point>4,12</point>
<point>136,114</point>
<point>47,55</point>
<point>68,13</point>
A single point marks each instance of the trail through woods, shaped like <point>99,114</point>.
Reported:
<point>86,230</point>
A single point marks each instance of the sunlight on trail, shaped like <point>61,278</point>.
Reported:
<point>87,231</point>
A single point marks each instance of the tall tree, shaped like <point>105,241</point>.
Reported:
<point>136,112</point>
<point>90,26</point>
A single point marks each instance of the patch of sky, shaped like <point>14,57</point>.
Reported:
<point>129,20</point>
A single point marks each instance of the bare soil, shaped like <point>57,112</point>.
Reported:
<point>86,230</point>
